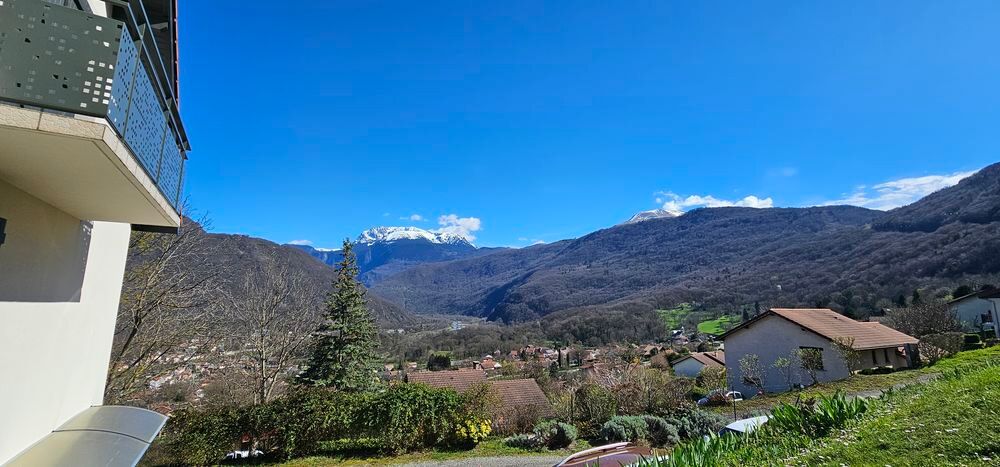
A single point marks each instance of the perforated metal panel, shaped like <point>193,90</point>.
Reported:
<point>121,89</point>
<point>146,124</point>
<point>65,59</point>
<point>170,171</point>
<point>57,57</point>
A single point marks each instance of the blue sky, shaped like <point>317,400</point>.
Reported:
<point>525,121</point>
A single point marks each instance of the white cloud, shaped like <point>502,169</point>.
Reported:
<point>461,226</point>
<point>896,193</point>
<point>413,218</point>
<point>678,204</point>
<point>300,242</point>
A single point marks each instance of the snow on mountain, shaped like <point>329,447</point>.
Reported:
<point>393,234</point>
<point>653,214</point>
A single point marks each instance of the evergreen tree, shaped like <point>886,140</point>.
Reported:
<point>901,301</point>
<point>916,299</point>
<point>344,346</point>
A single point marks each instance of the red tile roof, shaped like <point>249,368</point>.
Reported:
<point>832,325</point>
<point>517,394</point>
<point>459,380</point>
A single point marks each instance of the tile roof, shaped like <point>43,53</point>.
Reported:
<point>717,358</point>
<point>833,325</point>
<point>459,380</point>
<point>519,393</point>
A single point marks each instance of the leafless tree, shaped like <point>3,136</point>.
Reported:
<point>167,292</point>
<point>752,371</point>
<point>919,320</point>
<point>844,346</point>
<point>810,361</point>
<point>268,317</point>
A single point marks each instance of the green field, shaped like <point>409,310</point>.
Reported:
<point>719,325</point>
<point>674,317</point>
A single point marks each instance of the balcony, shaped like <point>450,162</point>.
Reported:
<point>90,124</point>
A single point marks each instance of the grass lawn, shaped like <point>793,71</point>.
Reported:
<point>718,326</point>
<point>489,448</point>
<point>674,317</point>
<point>951,421</point>
<point>861,383</point>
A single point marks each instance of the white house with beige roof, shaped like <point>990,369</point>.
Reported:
<point>781,332</point>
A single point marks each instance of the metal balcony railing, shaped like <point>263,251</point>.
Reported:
<point>68,60</point>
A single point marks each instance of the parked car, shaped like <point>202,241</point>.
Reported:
<point>718,397</point>
<point>611,455</point>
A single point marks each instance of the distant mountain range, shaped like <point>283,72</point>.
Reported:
<point>845,257</point>
<point>231,255</point>
<point>385,251</point>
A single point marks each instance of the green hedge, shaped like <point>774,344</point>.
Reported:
<point>402,418</point>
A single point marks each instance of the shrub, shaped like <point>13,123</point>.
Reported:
<point>555,435</point>
<point>592,406</point>
<point>410,416</point>
<point>471,431</point>
<point>660,432</point>
<point>694,423</point>
<point>523,441</point>
<point>972,342</point>
<point>201,437</point>
<point>622,428</point>
<point>306,417</point>
<point>816,418</point>
<point>934,347</point>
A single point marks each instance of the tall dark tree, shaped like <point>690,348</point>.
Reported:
<point>962,291</point>
<point>344,348</point>
<point>916,299</point>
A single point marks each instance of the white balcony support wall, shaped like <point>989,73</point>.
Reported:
<point>53,354</point>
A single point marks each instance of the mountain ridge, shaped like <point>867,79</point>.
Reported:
<point>844,256</point>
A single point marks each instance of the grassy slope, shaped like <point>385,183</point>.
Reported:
<point>860,383</point>
<point>718,326</point>
<point>953,421</point>
<point>674,317</point>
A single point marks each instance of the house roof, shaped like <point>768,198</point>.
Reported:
<point>717,358</point>
<point>983,294</point>
<point>516,393</point>
<point>832,325</point>
<point>459,380</point>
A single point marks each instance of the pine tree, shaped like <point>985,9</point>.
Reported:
<point>344,347</point>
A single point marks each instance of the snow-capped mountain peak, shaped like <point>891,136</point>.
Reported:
<point>393,234</point>
<point>653,214</point>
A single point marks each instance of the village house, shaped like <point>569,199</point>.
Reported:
<point>692,365</point>
<point>781,332</point>
<point>516,395</point>
<point>979,311</point>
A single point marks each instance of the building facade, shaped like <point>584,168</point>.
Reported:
<point>978,312</point>
<point>91,148</point>
<point>781,333</point>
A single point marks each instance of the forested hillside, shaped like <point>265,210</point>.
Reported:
<point>845,257</point>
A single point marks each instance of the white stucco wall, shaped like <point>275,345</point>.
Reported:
<point>690,368</point>
<point>54,355</point>
<point>773,337</point>
<point>45,254</point>
<point>969,312</point>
